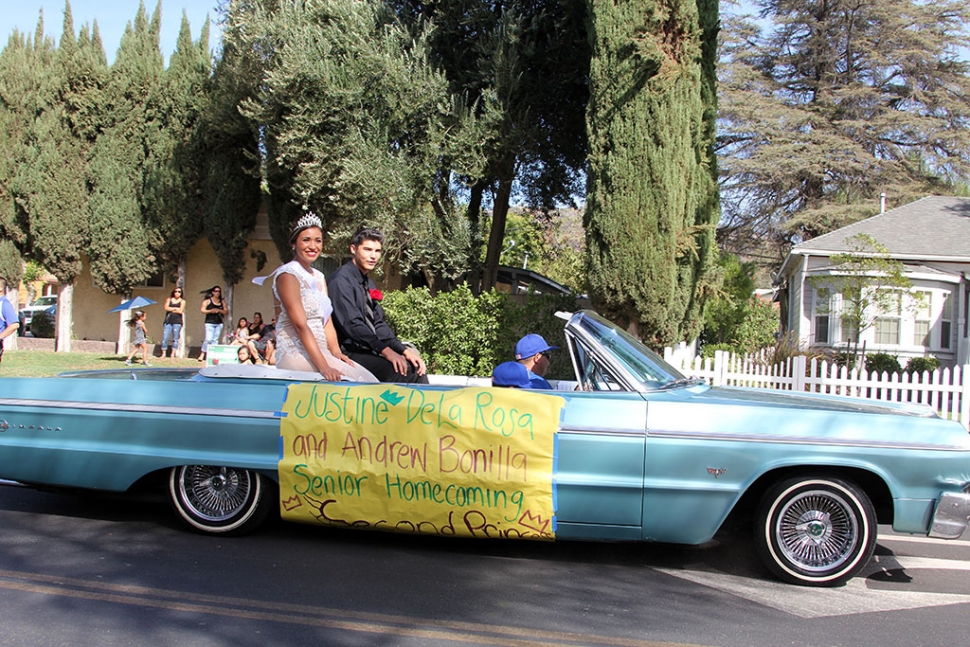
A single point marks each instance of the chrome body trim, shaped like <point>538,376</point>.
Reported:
<point>139,408</point>
<point>807,440</point>
<point>608,431</point>
<point>951,516</point>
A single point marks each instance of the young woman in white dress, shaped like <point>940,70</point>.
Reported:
<point>305,336</point>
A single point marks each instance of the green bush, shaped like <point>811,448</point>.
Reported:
<point>919,365</point>
<point>710,349</point>
<point>42,325</point>
<point>882,363</point>
<point>459,334</point>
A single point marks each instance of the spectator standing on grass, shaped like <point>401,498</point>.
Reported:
<point>140,340</point>
<point>8,316</point>
<point>214,309</point>
<point>172,326</point>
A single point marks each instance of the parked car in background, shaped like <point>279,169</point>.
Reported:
<point>40,304</point>
<point>630,451</point>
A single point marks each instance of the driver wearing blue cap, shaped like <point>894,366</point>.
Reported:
<point>532,351</point>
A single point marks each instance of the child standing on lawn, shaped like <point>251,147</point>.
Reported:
<point>141,333</point>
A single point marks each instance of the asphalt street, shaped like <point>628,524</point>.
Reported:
<point>92,570</point>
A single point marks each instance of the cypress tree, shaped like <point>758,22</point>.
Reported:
<point>173,199</point>
<point>231,178</point>
<point>650,206</point>
<point>121,246</point>
<point>50,185</point>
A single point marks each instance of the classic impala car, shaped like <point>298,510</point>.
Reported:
<point>632,450</point>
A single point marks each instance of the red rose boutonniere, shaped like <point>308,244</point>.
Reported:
<point>376,295</point>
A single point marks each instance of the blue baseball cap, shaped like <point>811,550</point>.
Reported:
<point>511,374</point>
<point>530,345</point>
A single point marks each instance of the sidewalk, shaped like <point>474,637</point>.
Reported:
<point>77,345</point>
<point>87,346</point>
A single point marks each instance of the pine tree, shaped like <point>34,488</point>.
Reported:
<point>826,105</point>
<point>650,206</point>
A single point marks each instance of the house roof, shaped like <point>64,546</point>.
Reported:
<point>908,269</point>
<point>936,227</point>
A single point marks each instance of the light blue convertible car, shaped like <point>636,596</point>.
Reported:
<point>630,451</point>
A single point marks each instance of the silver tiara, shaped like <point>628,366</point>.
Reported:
<point>308,220</point>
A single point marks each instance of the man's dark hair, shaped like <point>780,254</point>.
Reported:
<point>367,233</point>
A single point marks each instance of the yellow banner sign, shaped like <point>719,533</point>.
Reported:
<point>474,462</point>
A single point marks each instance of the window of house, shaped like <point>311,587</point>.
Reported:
<point>156,280</point>
<point>887,322</point>
<point>823,313</point>
<point>946,320</point>
<point>848,330</point>
<point>921,323</point>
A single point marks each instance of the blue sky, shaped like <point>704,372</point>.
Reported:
<point>111,15</point>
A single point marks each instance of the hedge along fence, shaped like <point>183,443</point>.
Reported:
<point>460,334</point>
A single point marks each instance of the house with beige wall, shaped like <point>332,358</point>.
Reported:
<point>92,320</point>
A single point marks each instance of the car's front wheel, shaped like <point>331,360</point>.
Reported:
<point>815,531</point>
<point>220,500</point>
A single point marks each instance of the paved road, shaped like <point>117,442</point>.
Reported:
<point>84,570</point>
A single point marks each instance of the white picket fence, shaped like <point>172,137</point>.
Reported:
<point>946,390</point>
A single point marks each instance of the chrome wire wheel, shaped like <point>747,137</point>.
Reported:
<point>214,493</point>
<point>815,531</point>
<point>217,499</point>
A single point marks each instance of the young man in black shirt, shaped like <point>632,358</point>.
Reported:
<point>359,319</point>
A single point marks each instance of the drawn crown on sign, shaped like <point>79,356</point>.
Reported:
<point>534,522</point>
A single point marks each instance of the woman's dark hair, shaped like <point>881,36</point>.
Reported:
<point>174,290</point>
<point>136,316</point>
<point>208,292</point>
<point>241,320</point>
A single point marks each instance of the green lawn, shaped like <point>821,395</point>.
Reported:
<point>42,363</point>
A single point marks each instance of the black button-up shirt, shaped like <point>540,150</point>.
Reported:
<point>357,332</point>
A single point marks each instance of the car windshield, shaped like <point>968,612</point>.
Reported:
<point>644,365</point>
<point>44,302</point>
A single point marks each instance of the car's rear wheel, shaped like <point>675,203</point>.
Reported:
<point>815,531</point>
<point>220,500</point>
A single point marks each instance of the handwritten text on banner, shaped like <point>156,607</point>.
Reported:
<point>473,462</point>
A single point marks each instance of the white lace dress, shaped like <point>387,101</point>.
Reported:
<point>290,352</point>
